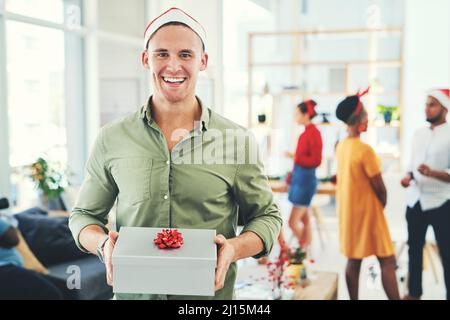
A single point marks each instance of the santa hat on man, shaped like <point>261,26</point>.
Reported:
<point>441,95</point>
<point>174,15</point>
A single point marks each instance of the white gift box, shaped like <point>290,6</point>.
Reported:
<point>140,267</point>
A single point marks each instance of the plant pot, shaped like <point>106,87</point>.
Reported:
<point>387,117</point>
<point>56,204</point>
<point>294,271</point>
<point>261,118</point>
<point>47,203</point>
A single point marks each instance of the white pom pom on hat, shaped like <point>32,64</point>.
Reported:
<point>174,15</point>
<point>441,95</point>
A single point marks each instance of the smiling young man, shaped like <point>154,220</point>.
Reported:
<point>143,161</point>
<point>428,193</point>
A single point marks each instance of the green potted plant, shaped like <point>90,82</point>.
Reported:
<point>296,256</point>
<point>389,113</point>
<point>50,183</point>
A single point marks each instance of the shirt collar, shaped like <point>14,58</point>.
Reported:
<point>439,127</point>
<point>204,118</point>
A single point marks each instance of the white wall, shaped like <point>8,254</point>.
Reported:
<point>426,60</point>
<point>123,86</point>
<point>120,17</point>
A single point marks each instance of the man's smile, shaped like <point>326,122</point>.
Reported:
<point>174,80</point>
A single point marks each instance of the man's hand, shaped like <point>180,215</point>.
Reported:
<point>284,250</point>
<point>289,154</point>
<point>406,181</point>
<point>225,256</point>
<point>107,253</point>
<point>425,170</point>
<point>379,188</point>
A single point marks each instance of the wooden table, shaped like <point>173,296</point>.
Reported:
<point>326,188</point>
<point>322,286</point>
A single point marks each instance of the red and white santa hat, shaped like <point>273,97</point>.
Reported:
<point>174,15</point>
<point>441,95</point>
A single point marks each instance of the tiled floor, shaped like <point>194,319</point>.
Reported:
<point>328,257</point>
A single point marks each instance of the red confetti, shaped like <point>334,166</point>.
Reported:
<point>169,239</point>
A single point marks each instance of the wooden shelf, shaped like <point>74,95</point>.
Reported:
<point>393,126</point>
<point>388,63</point>
<point>326,31</point>
<point>370,64</point>
<point>327,124</point>
<point>306,93</point>
<point>388,155</point>
<point>383,155</point>
<point>371,125</point>
<point>303,93</point>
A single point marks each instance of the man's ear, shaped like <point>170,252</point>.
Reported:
<point>204,61</point>
<point>144,59</point>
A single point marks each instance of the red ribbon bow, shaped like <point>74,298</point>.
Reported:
<point>359,95</point>
<point>310,107</point>
<point>169,239</point>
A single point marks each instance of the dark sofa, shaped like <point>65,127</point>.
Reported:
<point>50,240</point>
<point>93,279</point>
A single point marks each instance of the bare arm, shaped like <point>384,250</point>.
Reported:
<point>440,175</point>
<point>91,236</point>
<point>247,244</point>
<point>380,190</point>
<point>289,154</point>
<point>436,174</point>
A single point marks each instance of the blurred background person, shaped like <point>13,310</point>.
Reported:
<point>302,181</point>
<point>361,197</point>
<point>18,283</point>
<point>428,196</point>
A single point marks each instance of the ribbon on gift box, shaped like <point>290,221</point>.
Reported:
<point>169,239</point>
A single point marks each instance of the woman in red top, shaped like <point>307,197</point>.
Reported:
<point>303,181</point>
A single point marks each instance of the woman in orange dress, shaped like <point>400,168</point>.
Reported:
<point>361,197</point>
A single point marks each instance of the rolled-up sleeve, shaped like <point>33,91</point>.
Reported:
<point>256,205</point>
<point>97,194</point>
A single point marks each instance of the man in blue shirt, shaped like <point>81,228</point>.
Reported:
<point>16,281</point>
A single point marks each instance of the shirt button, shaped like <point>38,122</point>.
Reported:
<point>165,197</point>
<point>167,162</point>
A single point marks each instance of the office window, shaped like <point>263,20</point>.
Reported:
<point>50,10</point>
<point>36,107</point>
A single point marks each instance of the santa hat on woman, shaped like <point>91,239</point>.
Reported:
<point>441,95</point>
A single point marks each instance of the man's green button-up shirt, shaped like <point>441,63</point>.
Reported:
<point>208,179</point>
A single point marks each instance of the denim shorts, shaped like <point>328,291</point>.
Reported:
<point>303,186</point>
